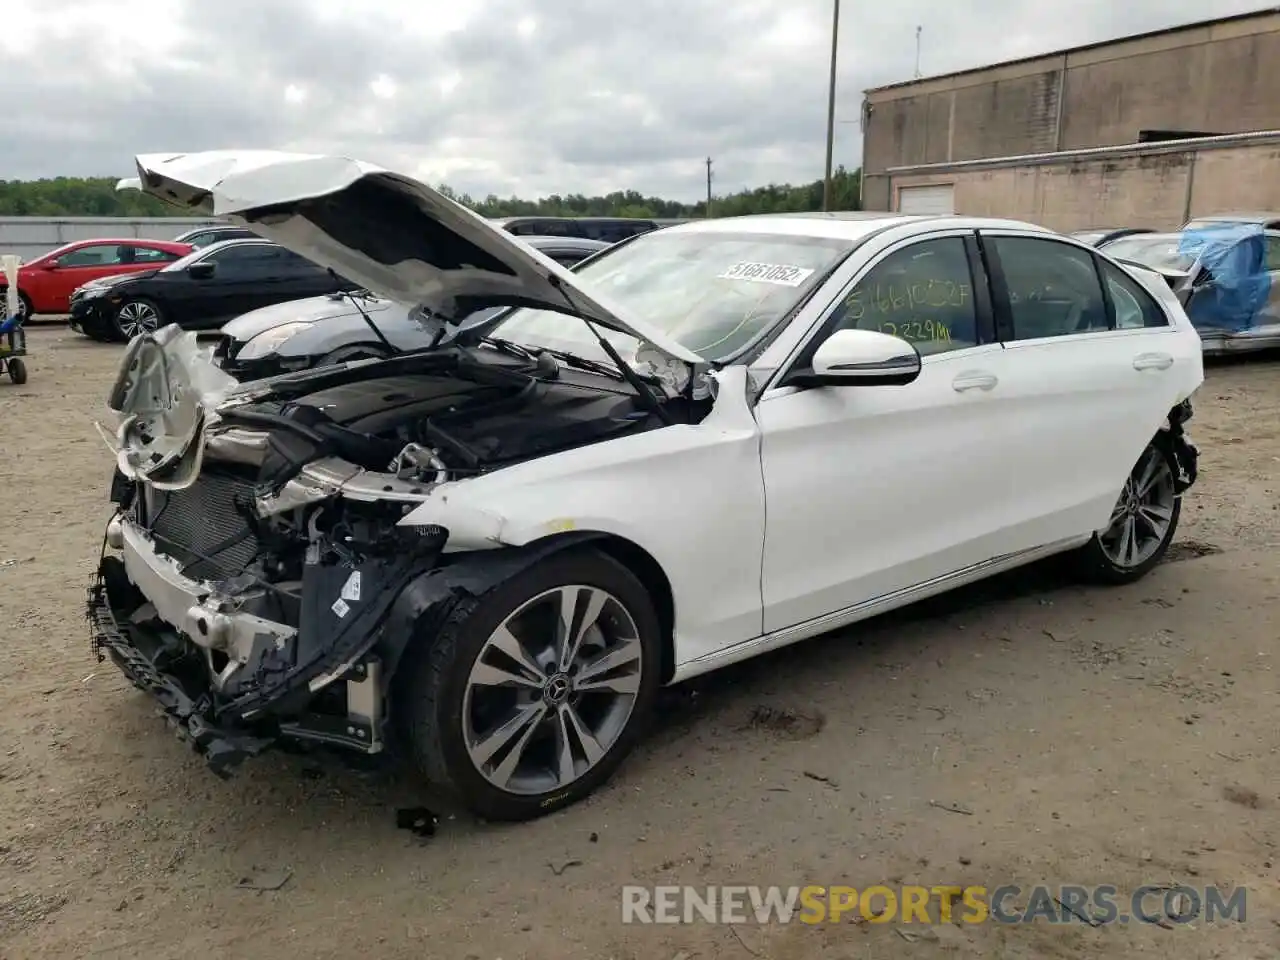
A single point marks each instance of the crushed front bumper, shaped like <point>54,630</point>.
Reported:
<point>138,652</point>
<point>158,627</point>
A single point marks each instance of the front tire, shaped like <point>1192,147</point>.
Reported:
<point>137,316</point>
<point>530,696</point>
<point>1143,521</point>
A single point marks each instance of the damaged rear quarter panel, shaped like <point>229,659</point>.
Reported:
<point>660,490</point>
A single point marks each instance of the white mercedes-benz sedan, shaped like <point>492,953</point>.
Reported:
<point>706,443</point>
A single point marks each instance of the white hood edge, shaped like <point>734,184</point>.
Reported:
<point>383,230</point>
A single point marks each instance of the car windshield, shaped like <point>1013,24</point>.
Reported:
<point>710,291</point>
<point>1162,253</point>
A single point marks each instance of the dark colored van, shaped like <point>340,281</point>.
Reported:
<point>607,229</point>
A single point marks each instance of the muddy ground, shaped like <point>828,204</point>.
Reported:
<point>1024,731</point>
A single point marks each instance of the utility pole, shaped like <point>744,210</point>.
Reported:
<point>831,104</point>
<point>918,29</point>
<point>708,162</point>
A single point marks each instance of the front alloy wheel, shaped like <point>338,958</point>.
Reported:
<point>1142,522</point>
<point>531,695</point>
<point>137,316</point>
<point>552,690</point>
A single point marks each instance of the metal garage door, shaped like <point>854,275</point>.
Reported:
<point>931,201</point>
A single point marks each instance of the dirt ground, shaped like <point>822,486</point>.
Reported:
<point>1025,731</point>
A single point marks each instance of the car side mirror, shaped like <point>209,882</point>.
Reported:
<point>861,358</point>
<point>202,270</point>
<point>49,265</point>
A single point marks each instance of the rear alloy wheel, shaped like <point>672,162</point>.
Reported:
<point>1143,521</point>
<point>135,317</point>
<point>24,304</point>
<point>531,696</point>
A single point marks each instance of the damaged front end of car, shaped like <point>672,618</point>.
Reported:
<point>257,577</point>
<point>261,575</point>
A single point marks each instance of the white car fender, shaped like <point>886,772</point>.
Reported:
<point>655,489</point>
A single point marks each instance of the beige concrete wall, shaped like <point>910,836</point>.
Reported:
<point>1221,78</point>
<point>1157,190</point>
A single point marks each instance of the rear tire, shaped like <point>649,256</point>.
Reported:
<point>1143,522</point>
<point>24,304</point>
<point>562,740</point>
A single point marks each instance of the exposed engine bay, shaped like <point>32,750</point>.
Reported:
<point>260,559</point>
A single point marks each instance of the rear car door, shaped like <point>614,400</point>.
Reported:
<point>294,277</point>
<point>1094,366</point>
<point>873,490</point>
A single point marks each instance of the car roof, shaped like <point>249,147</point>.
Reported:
<point>1254,216</point>
<point>842,225</point>
<point>548,241</point>
<point>1156,237</point>
<point>133,241</point>
<point>238,242</point>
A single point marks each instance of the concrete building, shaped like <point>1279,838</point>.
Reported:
<point>1146,130</point>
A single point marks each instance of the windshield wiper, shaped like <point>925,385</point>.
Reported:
<point>509,347</point>
<point>583,363</point>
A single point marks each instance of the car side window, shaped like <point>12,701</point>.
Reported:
<point>1133,306</point>
<point>96,255</point>
<point>1273,254</point>
<point>922,294</point>
<point>1053,288</point>
<point>238,261</point>
<point>294,264</point>
<point>152,255</point>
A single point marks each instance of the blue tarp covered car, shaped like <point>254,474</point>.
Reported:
<point>1225,275</point>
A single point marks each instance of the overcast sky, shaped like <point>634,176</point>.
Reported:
<point>530,97</point>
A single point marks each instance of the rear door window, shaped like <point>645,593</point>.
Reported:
<point>1052,288</point>
<point>1133,306</point>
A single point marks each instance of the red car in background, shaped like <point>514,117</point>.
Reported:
<point>45,284</point>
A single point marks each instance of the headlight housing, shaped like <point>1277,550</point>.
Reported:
<point>270,340</point>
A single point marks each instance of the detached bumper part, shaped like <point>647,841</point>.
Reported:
<point>1185,453</point>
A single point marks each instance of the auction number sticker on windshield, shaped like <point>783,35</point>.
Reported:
<point>779,273</point>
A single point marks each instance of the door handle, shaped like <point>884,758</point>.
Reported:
<point>974,380</point>
<point>1152,361</point>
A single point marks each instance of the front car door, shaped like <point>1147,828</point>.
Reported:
<point>76,268</point>
<point>234,288</point>
<point>874,490</point>
<point>1093,367</point>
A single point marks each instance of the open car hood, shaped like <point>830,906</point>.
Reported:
<point>384,231</point>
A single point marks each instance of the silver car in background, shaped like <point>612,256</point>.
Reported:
<point>1225,273</point>
<point>337,328</point>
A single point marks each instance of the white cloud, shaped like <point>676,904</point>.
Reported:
<point>502,96</point>
<point>383,87</point>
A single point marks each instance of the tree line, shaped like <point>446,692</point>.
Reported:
<point>98,197</point>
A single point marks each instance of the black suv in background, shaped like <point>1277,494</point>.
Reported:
<point>608,229</point>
